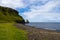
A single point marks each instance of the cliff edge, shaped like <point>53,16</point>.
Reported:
<point>10,15</point>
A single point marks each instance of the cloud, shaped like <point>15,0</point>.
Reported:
<point>41,9</point>
<point>12,3</point>
<point>35,10</point>
<point>44,12</point>
<point>56,9</point>
<point>44,17</point>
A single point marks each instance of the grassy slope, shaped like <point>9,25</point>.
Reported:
<point>9,15</point>
<point>9,32</point>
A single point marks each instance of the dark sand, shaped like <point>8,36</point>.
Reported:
<point>39,34</point>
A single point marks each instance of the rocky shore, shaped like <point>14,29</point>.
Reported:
<point>39,34</point>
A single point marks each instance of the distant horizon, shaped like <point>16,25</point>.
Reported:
<point>35,10</point>
<point>44,22</point>
<point>39,22</point>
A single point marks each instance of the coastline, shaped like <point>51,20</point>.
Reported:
<point>38,33</point>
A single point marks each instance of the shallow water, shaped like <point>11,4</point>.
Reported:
<point>46,25</point>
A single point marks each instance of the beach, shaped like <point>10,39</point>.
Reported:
<point>38,33</point>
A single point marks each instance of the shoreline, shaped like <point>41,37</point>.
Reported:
<point>43,29</point>
<point>38,33</point>
<point>26,27</point>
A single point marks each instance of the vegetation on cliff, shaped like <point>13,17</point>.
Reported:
<point>10,15</point>
<point>8,18</point>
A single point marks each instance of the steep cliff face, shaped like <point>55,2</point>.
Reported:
<point>10,15</point>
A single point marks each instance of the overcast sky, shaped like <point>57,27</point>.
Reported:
<point>36,10</point>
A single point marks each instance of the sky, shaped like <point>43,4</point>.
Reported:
<point>35,10</point>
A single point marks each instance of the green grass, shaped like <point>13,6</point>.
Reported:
<point>10,32</point>
<point>10,15</point>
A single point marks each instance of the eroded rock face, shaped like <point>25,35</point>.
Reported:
<point>10,15</point>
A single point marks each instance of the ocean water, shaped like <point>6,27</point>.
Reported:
<point>46,25</point>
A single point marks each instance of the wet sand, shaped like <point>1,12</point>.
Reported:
<point>38,33</point>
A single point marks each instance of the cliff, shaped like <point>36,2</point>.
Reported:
<point>10,15</point>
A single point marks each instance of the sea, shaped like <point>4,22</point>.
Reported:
<point>45,25</point>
